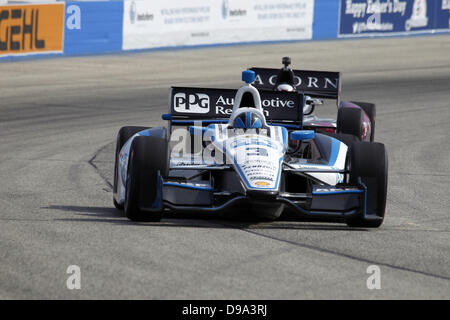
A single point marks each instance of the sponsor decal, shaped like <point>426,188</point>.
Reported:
<point>153,24</point>
<point>191,103</point>
<point>218,103</point>
<point>150,24</point>
<point>308,82</point>
<point>224,9</point>
<point>228,12</point>
<point>264,174</point>
<point>28,29</point>
<point>266,103</point>
<point>186,15</point>
<point>136,16</point>
<point>311,81</point>
<point>281,10</point>
<point>132,12</point>
<point>259,140</point>
<point>224,105</point>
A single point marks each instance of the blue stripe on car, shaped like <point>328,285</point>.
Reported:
<point>187,186</point>
<point>335,147</point>
<point>239,124</point>
<point>257,124</point>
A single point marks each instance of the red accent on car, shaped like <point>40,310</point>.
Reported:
<point>328,130</point>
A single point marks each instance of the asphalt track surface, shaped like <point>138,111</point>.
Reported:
<point>58,123</point>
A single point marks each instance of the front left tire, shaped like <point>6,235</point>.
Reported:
<point>124,134</point>
<point>148,162</point>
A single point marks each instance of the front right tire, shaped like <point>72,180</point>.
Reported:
<point>369,166</point>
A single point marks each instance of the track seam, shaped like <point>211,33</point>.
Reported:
<point>91,162</point>
<point>340,254</point>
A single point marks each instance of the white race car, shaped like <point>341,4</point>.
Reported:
<point>227,151</point>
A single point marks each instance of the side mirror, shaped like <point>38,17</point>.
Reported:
<point>302,135</point>
<point>310,104</point>
<point>308,109</point>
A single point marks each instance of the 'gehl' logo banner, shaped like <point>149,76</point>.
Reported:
<point>31,29</point>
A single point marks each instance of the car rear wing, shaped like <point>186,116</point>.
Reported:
<point>216,105</point>
<point>318,84</point>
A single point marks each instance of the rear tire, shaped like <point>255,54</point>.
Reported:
<point>125,133</point>
<point>370,110</point>
<point>148,161</point>
<point>348,139</point>
<point>350,121</point>
<point>369,165</point>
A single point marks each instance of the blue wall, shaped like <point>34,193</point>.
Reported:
<point>325,25</point>
<point>93,27</point>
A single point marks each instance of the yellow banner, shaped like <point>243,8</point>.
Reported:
<point>31,28</point>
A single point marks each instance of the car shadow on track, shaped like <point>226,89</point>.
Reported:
<point>199,220</point>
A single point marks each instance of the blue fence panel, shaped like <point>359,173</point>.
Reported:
<point>325,24</point>
<point>443,15</point>
<point>93,27</point>
<point>388,17</point>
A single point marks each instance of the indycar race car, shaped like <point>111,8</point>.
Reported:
<point>248,150</point>
<point>354,119</point>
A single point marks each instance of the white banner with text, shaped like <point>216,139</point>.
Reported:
<point>174,23</point>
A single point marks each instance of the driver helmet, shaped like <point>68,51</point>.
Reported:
<point>248,120</point>
<point>285,87</point>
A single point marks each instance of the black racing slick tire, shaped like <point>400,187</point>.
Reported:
<point>350,121</point>
<point>124,134</point>
<point>370,110</point>
<point>147,162</point>
<point>348,139</point>
<point>369,166</point>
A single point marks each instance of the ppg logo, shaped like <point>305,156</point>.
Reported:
<point>191,103</point>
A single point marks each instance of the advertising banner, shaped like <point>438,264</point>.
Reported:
<point>322,83</point>
<point>378,17</point>
<point>204,103</point>
<point>31,29</point>
<point>152,24</point>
